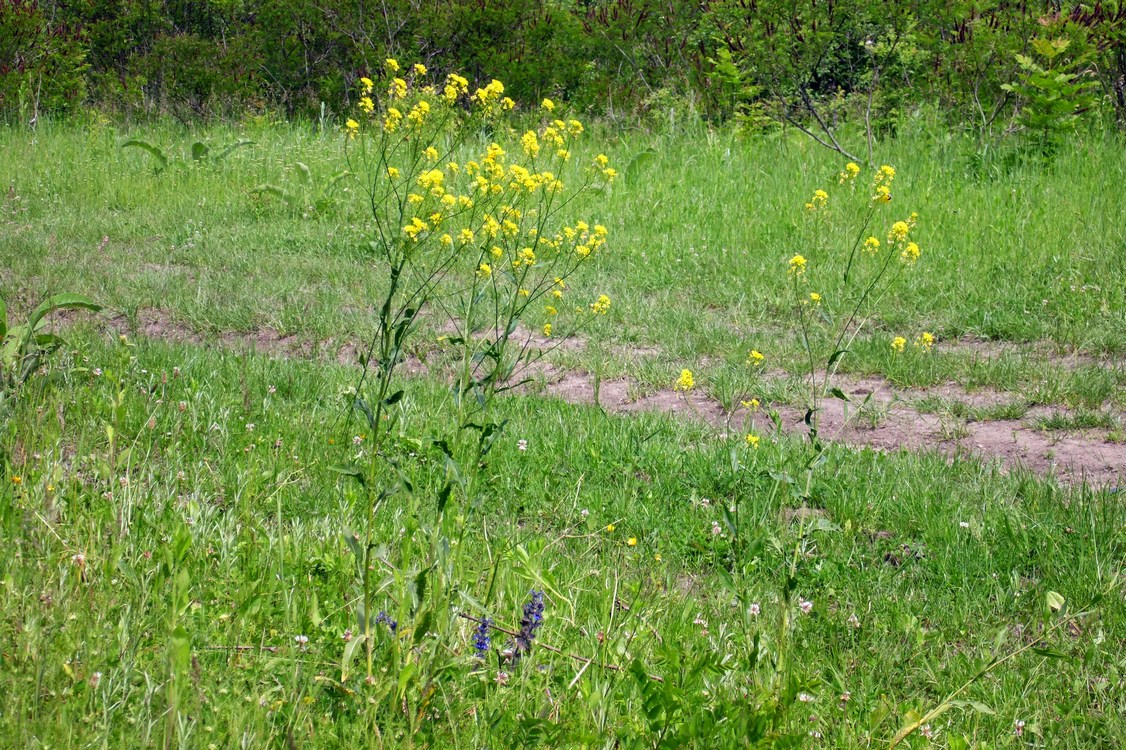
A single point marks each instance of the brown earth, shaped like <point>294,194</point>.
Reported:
<point>888,421</point>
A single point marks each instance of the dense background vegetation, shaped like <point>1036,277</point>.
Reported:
<point>763,61</point>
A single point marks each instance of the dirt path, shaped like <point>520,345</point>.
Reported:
<point>892,419</point>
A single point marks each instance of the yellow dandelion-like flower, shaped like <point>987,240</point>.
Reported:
<point>797,265</point>
<point>602,160</point>
<point>574,127</point>
<point>657,557</point>
<point>523,292</point>
<point>924,341</point>
<point>752,440</point>
<point>871,245</point>
<point>17,480</point>
<point>815,298</point>
<point>685,382</point>
<point>910,253</point>
<point>496,251</point>
<point>610,527</point>
<point>632,541</point>
<point>898,344</point>
<point>755,358</point>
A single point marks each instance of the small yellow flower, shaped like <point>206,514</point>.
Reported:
<point>393,172</point>
<point>530,143</point>
<point>484,271</point>
<point>925,341</point>
<point>755,358</point>
<point>352,127</point>
<point>898,232</point>
<point>898,343</point>
<point>419,69</point>
<point>632,541</point>
<point>548,105</point>
<point>685,382</point>
<point>751,405</point>
<point>752,440</point>
<point>850,171</point>
<point>17,480</point>
<point>367,85</point>
<point>871,245</point>
<point>446,240</point>
<point>815,298</point>
<point>797,265</point>
<point>819,200</point>
<point>547,329</point>
<point>601,305</point>
<point>466,236</point>
<point>883,194</point>
<point>610,527</point>
<point>910,253</point>
<point>431,153</point>
<point>657,557</point>
<point>397,89</point>
<point>391,64</point>
<point>367,105</point>
<point>550,310</point>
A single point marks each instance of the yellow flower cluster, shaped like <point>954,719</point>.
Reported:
<point>601,305</point>
<point>898,343</point>
<point>755,358</point>
<point>871,245</point>
<point>851,170</point>
<point>881,184</point>
<point>925,341</point>
<point>685,382</point>
<point>797,265</point>
<point>819,200</point>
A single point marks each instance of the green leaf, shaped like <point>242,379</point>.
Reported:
<point>149,148</point>
<point>351,649</point>
<point>638,161</point>
<point>838,393</point>
<point>61,302</point>
<point>1055,601</point>
<point>3,319</point>
<point>231,148</point>
<point>180,648</point>
<point>350,471</point>
<point>303,171</point>
<point>275,191</point>
<point>199,151</point>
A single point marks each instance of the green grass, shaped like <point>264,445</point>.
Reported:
<point>178,523</point>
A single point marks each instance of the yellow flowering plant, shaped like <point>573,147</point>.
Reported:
<point>480,234</point>
<point>829,323</point>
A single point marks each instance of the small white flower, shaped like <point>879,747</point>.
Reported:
<point>502,678</point>
<point>97,372</point>
<point>250,427</point>
<point>716,531</point>
<point>123,481</point>
<point>522,445</point>
<point>585,513</point>
<point>1018,727</point>
<point>806,606</point>
<point>95,678</point>
<point>358,440</point>
<point>272,389</point>
<point>963,524</point>
<point>806,698</point>
<point>755,609</point>
<point>183,405</point>
<point>301,640</point>
<point>854,621</point>
<point>347,635</point>
<point>78,559</point>
<point>705,502</point>
<point>846,696</point>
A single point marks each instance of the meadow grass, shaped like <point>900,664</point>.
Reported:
<point>178,571</point>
